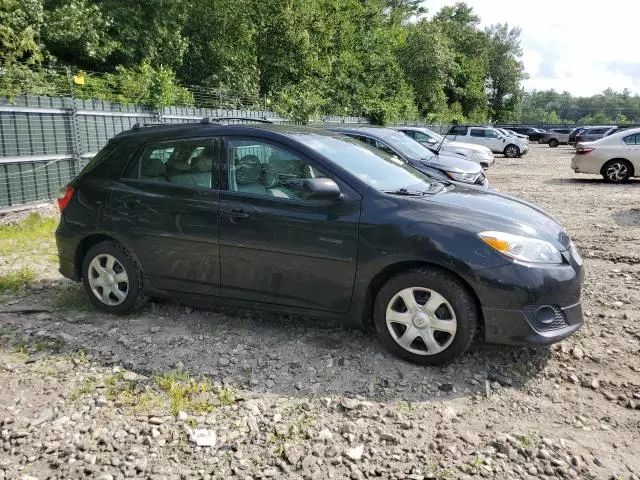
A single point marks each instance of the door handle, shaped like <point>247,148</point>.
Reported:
<point>234,214</point>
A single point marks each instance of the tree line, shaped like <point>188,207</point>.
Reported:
<point>384,59</point>
<point>608,107</point>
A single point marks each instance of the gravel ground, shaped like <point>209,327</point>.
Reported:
<point>177,392</point>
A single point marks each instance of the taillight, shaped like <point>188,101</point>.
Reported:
<point>64,196</point>
<point>583,150</point>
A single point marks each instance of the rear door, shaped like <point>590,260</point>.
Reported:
<point>458,133</point>
<point>277,247</point>
<point>477,136</point>
<point>166,210</point>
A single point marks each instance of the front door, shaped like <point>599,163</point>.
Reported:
<point>277,247</point>
<point>167,211</point>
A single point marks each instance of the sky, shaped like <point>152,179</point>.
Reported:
<point>567,45</point>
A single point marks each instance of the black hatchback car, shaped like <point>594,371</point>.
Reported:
<point>446,166</point>
<point>312,222</point>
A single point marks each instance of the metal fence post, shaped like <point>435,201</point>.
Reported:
<point>76,146</point>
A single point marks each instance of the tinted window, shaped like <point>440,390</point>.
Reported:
<point>261,168</point>
<point>477,132</point>
<point>632,139</point>
<point>596,131</point>
<point>490,134</point>
<point>186,163</point>
<point>371,166</point>
<point>458,130</point>
<point>405,146</point>
<point>421,137</point>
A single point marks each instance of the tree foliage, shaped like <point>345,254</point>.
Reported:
<point>608,107</point>
<point>379,58</point>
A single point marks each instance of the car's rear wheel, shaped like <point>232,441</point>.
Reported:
<point>553,143</point>
<point>617,171</point>
<point>511,151</point>
<point>425,316</point>
<point>112,279</point>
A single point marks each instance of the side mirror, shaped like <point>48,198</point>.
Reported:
<point>320,189</point>
<point>432,141</point>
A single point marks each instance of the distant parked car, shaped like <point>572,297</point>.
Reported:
<point>534,134</point>
<point>556,136</point>
<point>430,139</point>
<point>511,147</point>
<point>443,166</point>
<point>576,131</point>
<point>615,157</point>
<point>510,133</point>
<point>594,133</point>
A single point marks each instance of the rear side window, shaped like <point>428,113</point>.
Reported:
<point>187,163</point>
<point>477,132</point>
<point>632,139</point>
<point>109,162</point>
<point>596,131</point>
<point>458,130</point>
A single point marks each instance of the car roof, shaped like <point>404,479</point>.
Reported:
<point>187,130</point>
<point>369,130</point>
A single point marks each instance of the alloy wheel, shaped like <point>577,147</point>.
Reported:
<point>421,321</point>
<point>617,172</point>
<point>108,279</point>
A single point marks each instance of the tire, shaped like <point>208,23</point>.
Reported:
<point>112,279</point>
<point>511,151</point>
<point>553,143</point>
<point>617,171</point>
<point>455,310</point>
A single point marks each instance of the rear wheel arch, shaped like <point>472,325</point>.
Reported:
<point>627,162</point>
<point>388,272</point>
<point>86,243</point>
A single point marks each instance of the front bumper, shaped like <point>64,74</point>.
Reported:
<point>535,305</point>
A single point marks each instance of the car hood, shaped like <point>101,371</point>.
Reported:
<point>468,146</point>
<point>491,211</point>
<point>451,162</point>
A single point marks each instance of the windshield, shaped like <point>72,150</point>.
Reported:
<point>404,144</point>
<point>437,137</point>
<point>374,167</point>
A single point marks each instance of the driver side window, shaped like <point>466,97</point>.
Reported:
<point>260,168</point>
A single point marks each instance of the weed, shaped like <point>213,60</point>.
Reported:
<point>14,281</point>
<point>20,347</point>
<point>53,344</point>
<point>525,440</point>
<point>185,393</point>
<point>279,451</point>
<point>226,397</point>
<point>86,388</point>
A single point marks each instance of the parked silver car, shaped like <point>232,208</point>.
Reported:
<point>595,133</point>
<point>556,136</point>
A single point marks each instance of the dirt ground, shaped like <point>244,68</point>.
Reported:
<point>85,395</point>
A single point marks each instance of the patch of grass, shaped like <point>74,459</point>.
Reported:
<point>20,347</point>
<point>14,281</point>
<point>72,297</point>
<point>86,388</point>
<point>53,344</point>
<point>35,232</point>
<point>226,396</point>
<point>525,440</point>
<point>187,394</point>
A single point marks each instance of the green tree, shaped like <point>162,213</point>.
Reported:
<point>20,22</point>
<point>505,71</point>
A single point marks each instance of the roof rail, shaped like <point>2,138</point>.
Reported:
<point>138,126</point>
<point>206,120</point>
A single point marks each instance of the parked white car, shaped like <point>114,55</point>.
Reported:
<point>616,157</point>
<point>491,138</point>
<point>430,139</point>
<point>510,133</point>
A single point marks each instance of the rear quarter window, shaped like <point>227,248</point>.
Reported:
<point>108,162</point>
<point>457,130</point>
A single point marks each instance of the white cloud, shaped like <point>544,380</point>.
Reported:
<point>581,50</point>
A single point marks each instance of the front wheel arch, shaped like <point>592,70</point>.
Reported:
<point>389,271</point>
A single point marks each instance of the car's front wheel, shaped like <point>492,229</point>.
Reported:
<point>617,171</point>
<point>511,151</point>
<point>425,316</point>
<point>112,279</point>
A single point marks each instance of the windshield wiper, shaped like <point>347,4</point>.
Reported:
<point>404,191</point>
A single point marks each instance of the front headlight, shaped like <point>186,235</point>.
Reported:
<point>463,177</point>
<point>526,249</point>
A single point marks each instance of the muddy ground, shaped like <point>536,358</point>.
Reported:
<point>291,397</point>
